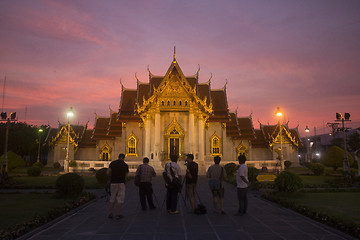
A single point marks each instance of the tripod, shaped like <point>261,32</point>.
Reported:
<point>178,195</point>
<point>144,192</point>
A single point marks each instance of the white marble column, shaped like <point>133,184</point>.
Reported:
<point>147,136</point>
<point>191,132</point>
<point>157,135</point>
<point>201,138</point>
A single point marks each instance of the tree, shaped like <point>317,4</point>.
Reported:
<point>354,145</point>
<point>354,141</point>
<point>334,157</point>
<point>13,160</point>
<point>337,142</point>
<point>23,139</point>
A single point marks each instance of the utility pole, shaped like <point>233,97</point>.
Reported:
<point>8,119</point>
<point>340,118</point>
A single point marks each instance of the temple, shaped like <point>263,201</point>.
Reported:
<point>174,114</point>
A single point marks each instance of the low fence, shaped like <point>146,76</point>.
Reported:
<point>83,165</point>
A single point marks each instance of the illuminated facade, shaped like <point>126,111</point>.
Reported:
<point>174,114</point>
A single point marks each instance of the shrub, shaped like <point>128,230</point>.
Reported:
<point>334,157</point>
<point>57,165</point>
<point>13,161</point>
<point>72,164</point>
<point>288,182</point>
<point>39,165</point>
<point>230,169</point>
<point>69,185</point>
<point>308,165</point>
<point>318,169</point>
<point>34,171</point>
<point>102,177</point>
<point>253,173</point>
<point>287,164</point>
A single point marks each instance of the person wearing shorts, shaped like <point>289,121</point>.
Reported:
<point>217,174</point>
<point>117,171</point>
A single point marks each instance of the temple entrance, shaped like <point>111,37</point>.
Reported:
<point>174,146</point>
<point>174,137</point>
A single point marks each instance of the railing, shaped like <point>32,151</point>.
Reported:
<point>96,165</point>
<point>87,165</point>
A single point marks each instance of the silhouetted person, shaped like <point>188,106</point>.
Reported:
<point>217,174</point>
<point>242,184</point>
<point>146,173</point>
<point>117,170</point>
<point>191,179</point>
<point>172,170</point>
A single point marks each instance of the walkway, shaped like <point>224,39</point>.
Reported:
<point>264,220</point>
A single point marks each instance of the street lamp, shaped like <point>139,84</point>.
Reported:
<point>308,157</point>
<point>69,114</point>
<point>279,114</point>
<point>40,132</point>
<point>8,119</point>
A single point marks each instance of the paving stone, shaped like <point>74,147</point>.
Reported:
<point>264,220</point>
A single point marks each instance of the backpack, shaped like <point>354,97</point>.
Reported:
<point>201,209</point>
<point>137,178</point>
<point>166,178</point>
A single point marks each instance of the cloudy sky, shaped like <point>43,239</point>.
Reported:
<point>303,56</point>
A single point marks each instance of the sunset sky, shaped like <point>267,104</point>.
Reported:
<point>303,56</point>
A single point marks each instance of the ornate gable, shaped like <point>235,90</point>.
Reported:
<point>62,136</point>
<point>174,93</point>
<point>287,137</point>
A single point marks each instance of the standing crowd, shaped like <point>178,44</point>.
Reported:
<point>174,182</point>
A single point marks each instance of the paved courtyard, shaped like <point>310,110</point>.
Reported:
<point>264,220</point>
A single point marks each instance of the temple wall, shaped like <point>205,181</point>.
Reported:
<point>87,154</point>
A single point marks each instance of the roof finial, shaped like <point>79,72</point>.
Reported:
<point>174,54</point>
<point>136,77</point>
<point>122,86</point>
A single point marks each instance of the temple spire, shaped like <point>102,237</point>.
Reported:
<point>174,60</point>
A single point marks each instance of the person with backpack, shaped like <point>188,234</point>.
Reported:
<point>172,176</point>
<point>144,174</point>
<point>191,178</point>
<point>217,174</point>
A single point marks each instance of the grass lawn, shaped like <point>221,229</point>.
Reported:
<point>45,171</point>
<point>315,180</point>
<point>49,182</point>
<point>21,207</point>
<point>344,205</point>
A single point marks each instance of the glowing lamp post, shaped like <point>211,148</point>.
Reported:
<point>40,132</point>
<point>279,114</point>
<point>69,114</point>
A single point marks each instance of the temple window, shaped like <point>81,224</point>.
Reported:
<point>105,152</point>
<point>180,103</point>
<point>131,149</point>
<point>162,103</point>
<point>174,103</point>
<point>215,149</point>
<point>185,103</point>
<point>242,149</point>
<point>168,103</point>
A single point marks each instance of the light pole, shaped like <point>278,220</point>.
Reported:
<point>308,158</point>
<point>279,114</point>
<point>40,131</point>
<point>12,118</point>
<point>69,114</point>
<point>346,118</point>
